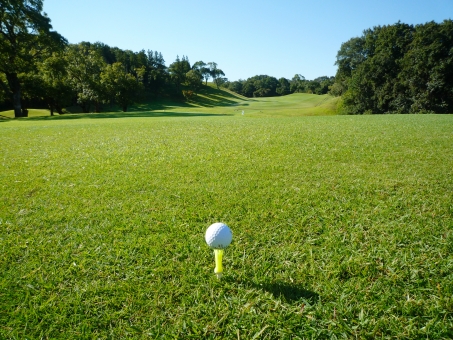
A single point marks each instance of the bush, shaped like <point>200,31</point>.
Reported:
<point>188,94</point>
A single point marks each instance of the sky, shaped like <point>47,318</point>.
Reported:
<point>245,38</point>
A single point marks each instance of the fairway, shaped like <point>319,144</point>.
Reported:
<point>211,100</point>
<point>342,225</point>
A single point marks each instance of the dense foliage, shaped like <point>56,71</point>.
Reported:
<point>397,68</point>
<point>266,86</point>
<point>38,67</point>
<point>25,37</point>
<point>93,75</point>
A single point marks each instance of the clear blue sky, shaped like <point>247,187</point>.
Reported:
<point>245,38</point>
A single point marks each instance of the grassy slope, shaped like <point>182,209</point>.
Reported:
<point>214,101</point>
<point>342,227</point>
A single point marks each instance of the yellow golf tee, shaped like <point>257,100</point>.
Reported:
<point>218,253</point>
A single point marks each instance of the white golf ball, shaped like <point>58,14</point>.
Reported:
<point>218,236</point>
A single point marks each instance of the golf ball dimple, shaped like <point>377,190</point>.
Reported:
<point>218,236</point>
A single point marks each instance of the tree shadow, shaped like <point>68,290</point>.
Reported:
<point>211,101</point>
<point>159,105</point>
<point>210,97</point>
<point>136,114</point>
<point>207,97</point>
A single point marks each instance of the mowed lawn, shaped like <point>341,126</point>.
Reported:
<point>342,226</point>
<point>211,100</point>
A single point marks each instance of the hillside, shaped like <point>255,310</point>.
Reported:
<point>221,101</point>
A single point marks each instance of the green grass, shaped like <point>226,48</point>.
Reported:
<point>213,101</point>
<point>31,113</point>
<point>343,226</point>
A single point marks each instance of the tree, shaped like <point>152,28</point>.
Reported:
<point>236,86</point>
<point>85,65</point>
<point>264,86</point>
<point>188,94</point>
<point>248,89</point>
<point>194,80</point>
<point>178,70</point>
<point>428,69</point>
<point>215,73</point>
<point>25,36</point>
<point>283,87</point>
<point>106,51</point>
<point>371,67</point>
<point>388,45</point>
<point>297,84</point>
<point>49,84</point>
<point>206,73</point>
<point>352,53</point>
<point>222,81</point>
<point>4,90</point>
<point>57,90</point>
<point>323,84</point>
<point>397,68</point>
<point>123,87</point>
<point>156,72</point>
<point>203,69</point>
<point>32,90</point>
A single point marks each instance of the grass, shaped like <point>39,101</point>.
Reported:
<point>342,226</point>
<point>31,113</point>
<point>210,100</point>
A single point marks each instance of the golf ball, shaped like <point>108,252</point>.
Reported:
<point>218,236</point>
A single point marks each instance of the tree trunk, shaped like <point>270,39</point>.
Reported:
<point>85,107</point>
<point>59,109</point>
<point>124,107</point>
<point>50,104</point>
<point>14,86</point>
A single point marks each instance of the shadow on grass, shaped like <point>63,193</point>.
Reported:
<point>290,292</point>
<point>212,101</point>
<point>206,97</point>
<point>158,105</point>
<point>127,115</point>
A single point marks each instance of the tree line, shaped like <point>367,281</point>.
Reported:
<point>37,65</point>
<point>267,86</point>
<point>91,75</point>
<point>397,68</point>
